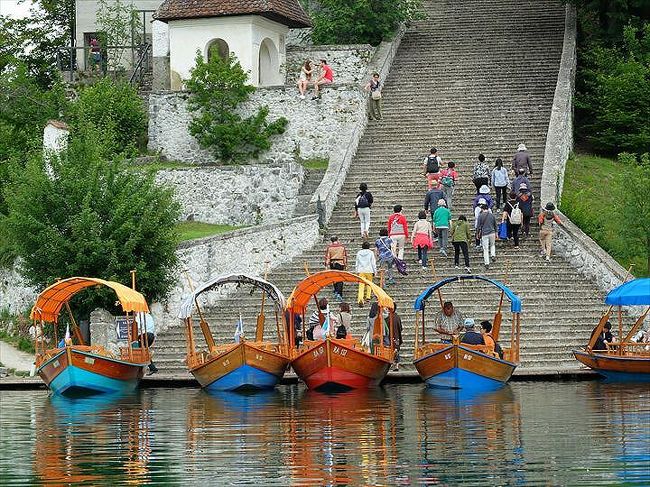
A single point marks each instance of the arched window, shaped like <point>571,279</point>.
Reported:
<point>269,66</point>
<point>217,47</point>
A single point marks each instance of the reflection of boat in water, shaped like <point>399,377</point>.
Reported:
<point>624,360</point>
<point>484,428</point>
<point>340,363</point>
<point>80,368</point>
<point>256,363</point>
<point>77,436</point>
<point>460,365</point>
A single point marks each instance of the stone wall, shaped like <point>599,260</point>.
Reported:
<point>249,250</point>
<point>340,160</point>
<point>569,241</point>
<point>236,195</point>
<point>16,295</point>
<point>314,129</point>
<point>349,63</point>
<point>559,140</point>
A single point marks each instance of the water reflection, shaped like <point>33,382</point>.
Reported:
<point>476,435</point>
<point>573,433</point>
<point>91,439</point>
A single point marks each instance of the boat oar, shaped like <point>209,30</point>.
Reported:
<point>259,331</point>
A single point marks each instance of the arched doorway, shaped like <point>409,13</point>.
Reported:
<point>217,47</point>
<point>269,67</point>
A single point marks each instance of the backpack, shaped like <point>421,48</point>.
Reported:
<point>341,332</point>
<point>396,228</point>
<point>516,215</point>
<point>447,180</point>
<point>362,201</point>
<point>433,165</point>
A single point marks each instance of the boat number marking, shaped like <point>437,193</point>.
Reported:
<point>467,356</point>
<point>340,351</point>
<point>226,362</point>
<point>318,352</point>
<point>258,357</point>
<point>447,356</point>
<point>89,360</point>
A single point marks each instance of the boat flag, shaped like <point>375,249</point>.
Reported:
<point>239,329</point>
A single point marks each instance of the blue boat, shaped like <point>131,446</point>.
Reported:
<point>452,364</point>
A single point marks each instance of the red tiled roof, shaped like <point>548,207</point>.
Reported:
<point>287,12</point>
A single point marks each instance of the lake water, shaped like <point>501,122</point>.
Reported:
<point>529,433</point>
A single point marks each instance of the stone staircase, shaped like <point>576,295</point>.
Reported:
<point>475,76</point>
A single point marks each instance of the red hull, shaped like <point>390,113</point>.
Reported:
<point>337,363</point>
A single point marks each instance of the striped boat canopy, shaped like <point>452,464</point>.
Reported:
<point>515,301</point>
<point>49,303</point>
<point>187,306</point>
<point>308,287</point>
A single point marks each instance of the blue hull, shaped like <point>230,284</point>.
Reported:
<point>75,381</point>
<point>457,378</point>
<point>244,377</point>
<point>612,376</point>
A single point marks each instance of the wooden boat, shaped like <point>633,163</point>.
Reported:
<point>79,368</point>
<point>461,366</point>
<point>340,363</point>
<point>624,360</point>
<point>242,364</point>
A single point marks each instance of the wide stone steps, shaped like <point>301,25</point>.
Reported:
<point>476,76</point>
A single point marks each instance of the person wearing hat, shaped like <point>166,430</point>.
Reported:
<point>477,211</point>
<point>521,179</point>
<point>471,337</point>
<point>441,221</point>
<point>525,201</point>
<point>521,160</point>
<point>484,194</point>
<point>546,219</point>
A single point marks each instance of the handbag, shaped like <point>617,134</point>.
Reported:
<point>375,95</point>
<point>503,231</point>
<point>401,266</point>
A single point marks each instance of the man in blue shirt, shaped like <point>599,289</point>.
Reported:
<point>471,337</point>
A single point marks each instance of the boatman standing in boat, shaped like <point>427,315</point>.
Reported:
<point>448,321</point>
<point>149,335</point>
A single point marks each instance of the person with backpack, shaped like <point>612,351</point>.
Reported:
<point>525,201</point>
<point>448,178</point>
<point>441,220</point>
<point>460,239</point>
<point>521,160</point>
<point>521,179</point>
<point>487,230</point>
<point>500,181</point>
<point>421,238</point>
<point>481,175</point>
<point>513,217</point>
<point>432,164</point>
<point>336,258</point>
<point>362,204</point>
<point>384,246</point>
<point>547,219</point>
<point>398,231</point>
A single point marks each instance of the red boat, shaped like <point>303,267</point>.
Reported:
<point>340,363</point>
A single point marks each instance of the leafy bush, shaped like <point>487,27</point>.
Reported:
<point>117,113</point>
<point>217,88</point>
<point>360,21</point>
<point>84,215</point>
<point>614,101</point>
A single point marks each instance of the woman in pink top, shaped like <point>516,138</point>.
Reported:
<point>326,77</point>
<point>421,237</point>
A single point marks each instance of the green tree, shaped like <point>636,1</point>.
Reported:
<point>217,88</point>
<point>634,209</point>
<point>120,25</point>
<point>116,111</point>
<point>83,215</point>
<point>360,21</point>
